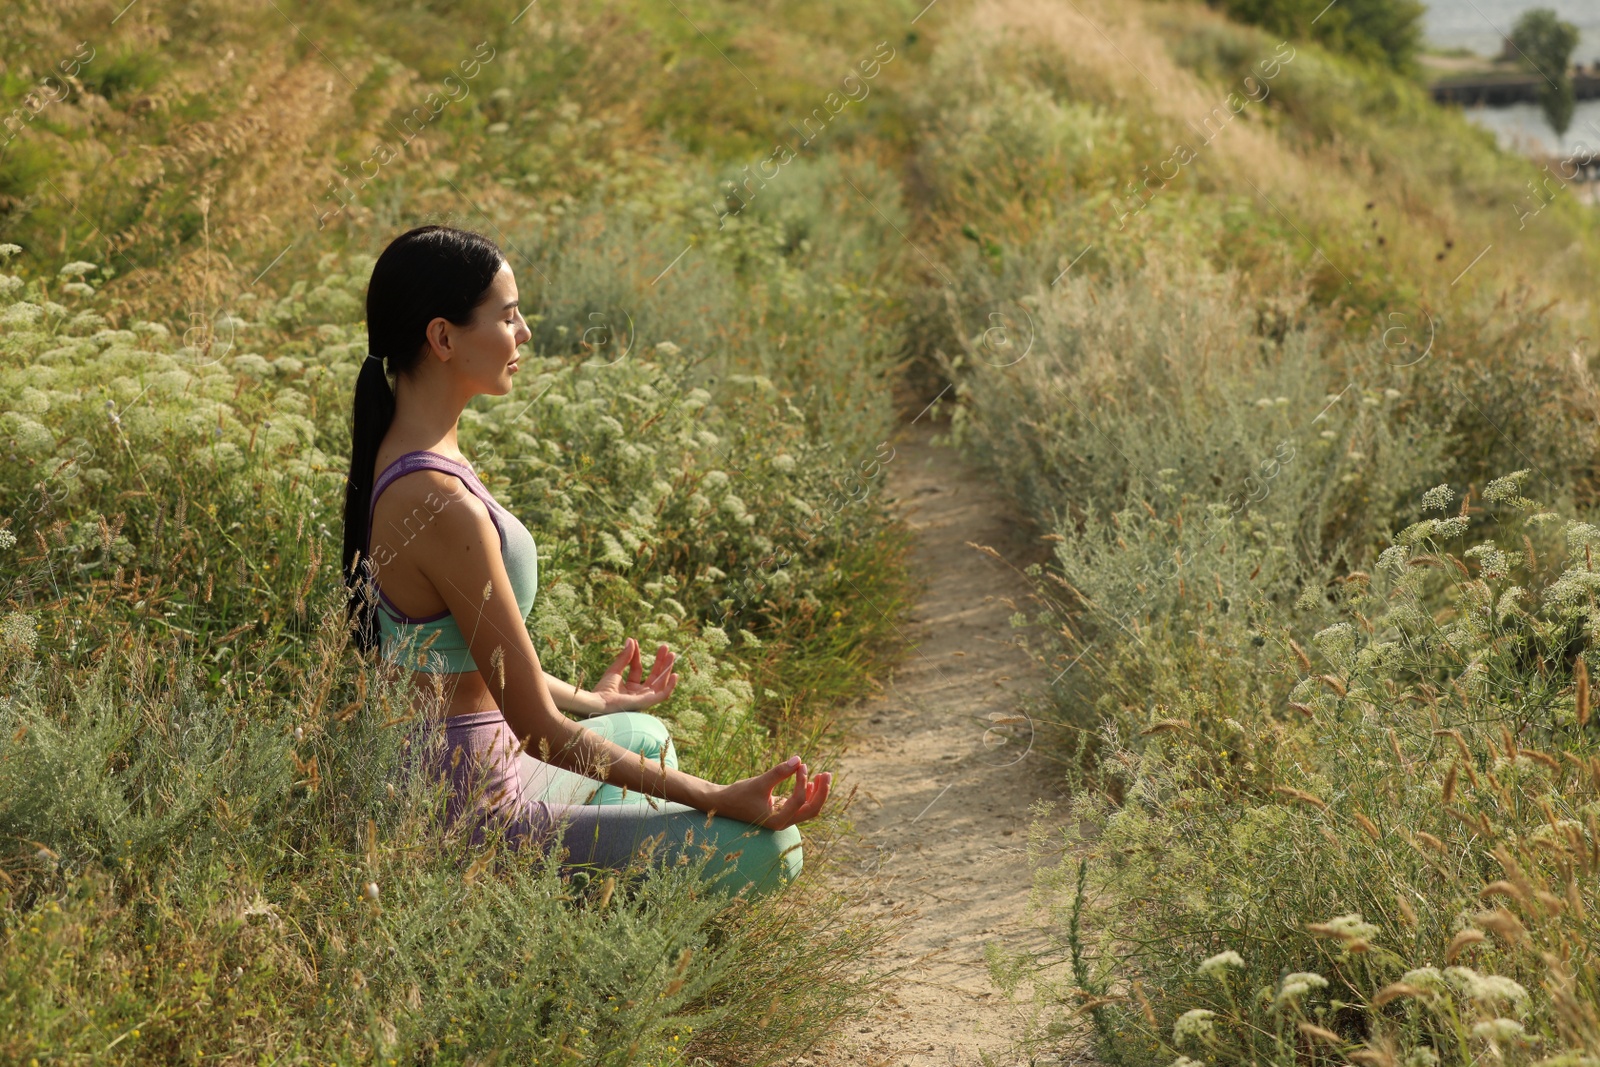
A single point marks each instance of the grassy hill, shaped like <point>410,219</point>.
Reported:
<point>1218,309</point>
<point>1296,371</point>
<point>198,778</point>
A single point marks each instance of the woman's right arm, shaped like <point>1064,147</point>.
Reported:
<point>460,554</point>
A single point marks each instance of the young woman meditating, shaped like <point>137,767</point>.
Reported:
<point>449,564</point>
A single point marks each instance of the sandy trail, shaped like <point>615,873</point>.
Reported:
<point>943,792</point>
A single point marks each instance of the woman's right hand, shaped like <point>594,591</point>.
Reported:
<point>750,800</point>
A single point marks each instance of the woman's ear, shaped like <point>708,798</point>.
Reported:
<point>439,340</point>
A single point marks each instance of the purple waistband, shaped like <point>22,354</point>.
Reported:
<point>474,720</point>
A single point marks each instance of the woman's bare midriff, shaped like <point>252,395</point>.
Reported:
<point>463,694</point>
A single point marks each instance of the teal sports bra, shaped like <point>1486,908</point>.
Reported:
<point>399,635</point>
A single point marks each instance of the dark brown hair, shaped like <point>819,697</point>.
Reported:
<point>426,273</point>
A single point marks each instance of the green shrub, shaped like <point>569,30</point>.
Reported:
<point>1404,808</point>
<point>1387,32</point>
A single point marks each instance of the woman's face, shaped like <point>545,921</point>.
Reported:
<point>486,351</point>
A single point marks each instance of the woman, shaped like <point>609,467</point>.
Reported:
<point>458,577</point>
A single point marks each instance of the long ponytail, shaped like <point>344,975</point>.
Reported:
<point>426,273</point>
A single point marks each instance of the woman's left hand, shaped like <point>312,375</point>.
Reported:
<point>620,687</point>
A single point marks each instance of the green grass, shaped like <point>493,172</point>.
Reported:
<point>197,771</point>
<point>1230,405</point>
<point>1226,415</point>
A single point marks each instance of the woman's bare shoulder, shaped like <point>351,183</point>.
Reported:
<point>426,508</point>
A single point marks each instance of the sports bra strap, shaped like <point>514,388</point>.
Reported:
<point>425,460</point>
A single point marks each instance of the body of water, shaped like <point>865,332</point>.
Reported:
<point>1522,127</point>
<point>1479,25</point>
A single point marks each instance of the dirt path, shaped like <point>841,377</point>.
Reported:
<point>943,791</point>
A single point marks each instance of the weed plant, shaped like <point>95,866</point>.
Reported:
<point>1331,782</point>
<point>1378,847</point>
<point>201,787</point>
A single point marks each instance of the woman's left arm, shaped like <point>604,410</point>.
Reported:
<point>571,699</point>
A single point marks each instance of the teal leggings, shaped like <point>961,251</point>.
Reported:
<point>605,827</point>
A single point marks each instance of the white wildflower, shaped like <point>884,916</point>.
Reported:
<point>18,630</point>
<point>1184,1061</point>
<point>9,250</point>
<point>1310,599</point>
<point>667,348</point>
<point>1392,558</point>
<point>1298,985</point>
<point>1487,988</point>
<point>78,267</point>
<point>1336,641</point>
<point>7,539</point>
<point>1573,588</point>
<point>1497,1029</point>
<point>1581,535</point>
<point>1492,563</point>
<point>22,313</point>
<point>1438,498</point>
<point>1421,1056</point>
<point>1508,491</point>
<point>1216,966</point>
<point>1349,927</point>
<point>1455,527</point>
<point>1194,1023</point>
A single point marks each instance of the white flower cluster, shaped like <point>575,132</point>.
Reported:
<point>1438,498</point>
<point>1508,490</point>
<point>1216,967</point>
<point>1497,1029</point>
<point>1337,641</point>
<point>1427,979</point>
<point>1492,563</point>
<point>1351,926</point>
<point>1194,1024</point>
<point>1296,986</point>
<point>1487,988</point>
<point>18,630</point>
